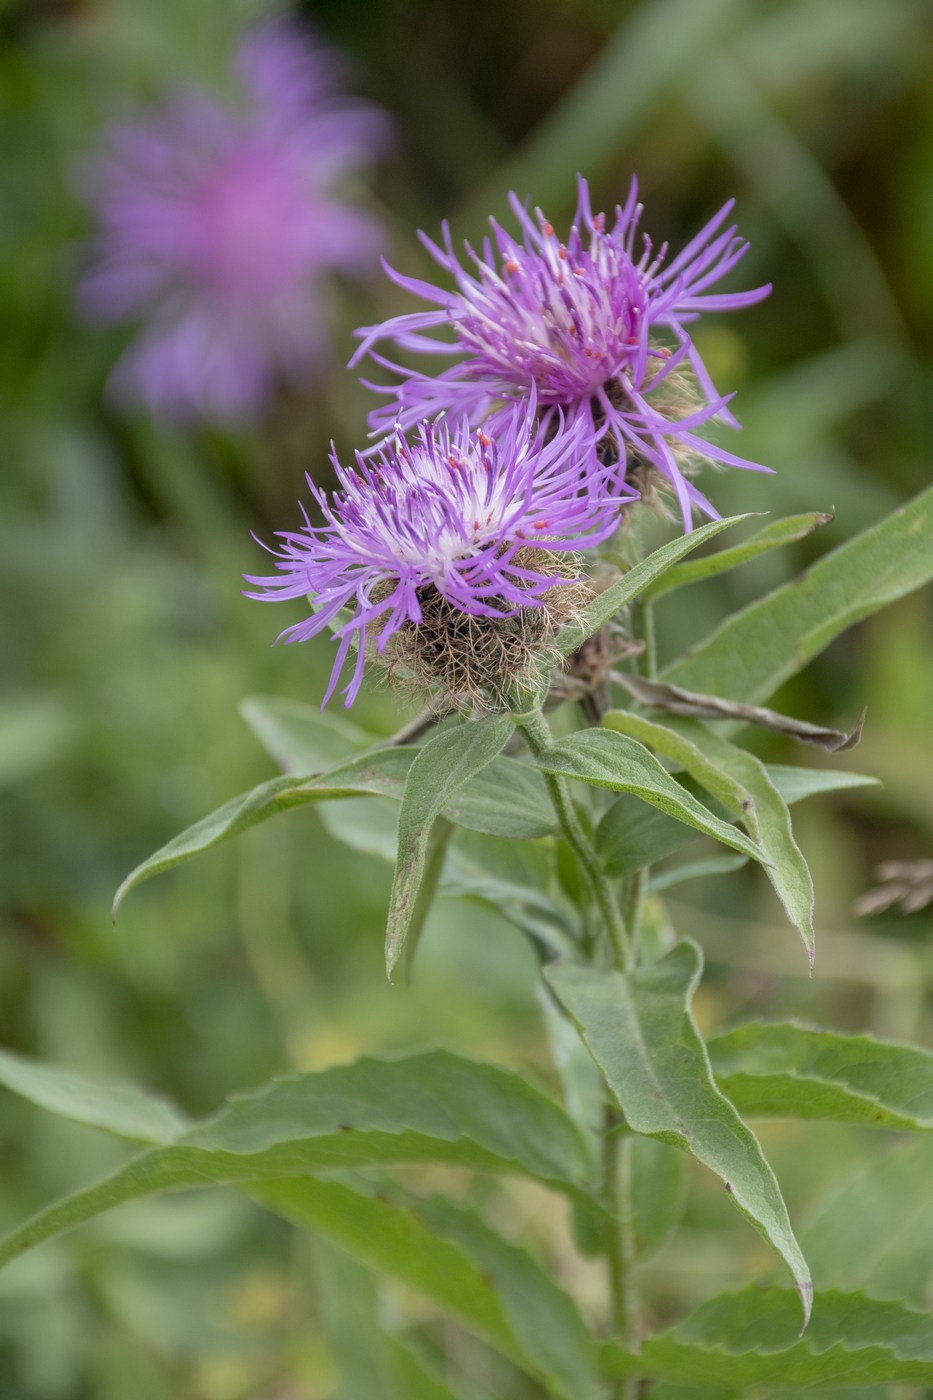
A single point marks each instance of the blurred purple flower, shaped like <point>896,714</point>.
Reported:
<point>576,320</point>
<point>217,222</point>
<point>451,510</point>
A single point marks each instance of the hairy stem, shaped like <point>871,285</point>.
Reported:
<point>538,737</point>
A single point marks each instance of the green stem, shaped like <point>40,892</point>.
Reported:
<point>620,1249</point>
<point>621,1253</point>
<point>537,735</point>
<point>647,663</point>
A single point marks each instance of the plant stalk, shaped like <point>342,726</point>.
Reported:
<point>620,1250</point>
<point>537,735</point>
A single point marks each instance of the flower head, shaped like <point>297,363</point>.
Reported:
<point>216,222</point>
<point>579,321</point>
<point>452,525</point>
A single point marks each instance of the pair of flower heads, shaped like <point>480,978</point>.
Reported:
<point>450,550</point>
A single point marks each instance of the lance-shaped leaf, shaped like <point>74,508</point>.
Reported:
<point>610,760</point>
<point>802,1073</point>
<point>430,1108</point>
<point>510,801</point>
<point>447,1252</point>
<point>757,649</point>
<point>122,1109</point>
<point>768,819</point>
<point>440,770</point>
<point>890,1253</point>
<point>686,751</point>
<point>381,774</point>
<point>627,842</point>
<point>302,738</point>
<point>751,1339</point>
<point>661,695</point>
<point>640,1031</point>
<point>775,534</point>
<point>605,606</point>
<point>794,784</point>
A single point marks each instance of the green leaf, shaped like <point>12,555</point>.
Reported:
<point>753,1338</point>
<point>768,820</point>
<point>890,1253</point>
<point>757,649</point>
<point>683,750</point>
<point>640,1031</point>
<point>610,760</point>
<point>526,908</point>
<point>99,1103</point>
<point>694,870</point>
<point>446,762</point>
<point>301,738</point>
<point>775,534</point>
<point>659,1192</point>
<point>435,855</point>
<point>507,798</point>
<point>447,1252</point>
<point>794,784</point>
<point>416,1378</point>
<point>632,835</point>
<point>511,800</point>
<point>605,606</point>
<point>382,774</point>
<point>429,1108</point>
<point>792,1071</point>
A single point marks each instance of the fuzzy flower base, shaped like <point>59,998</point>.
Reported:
<point>472,663</point>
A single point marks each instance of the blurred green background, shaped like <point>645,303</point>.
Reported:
<point>127,646</point>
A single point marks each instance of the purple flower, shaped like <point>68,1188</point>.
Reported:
<point>216,223</point>
<point>455,513</point>
<point>577,321</point>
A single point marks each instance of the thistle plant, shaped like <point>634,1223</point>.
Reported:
<point>484,556</point>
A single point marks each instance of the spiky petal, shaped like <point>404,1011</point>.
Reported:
<point>454,509</point>
<point>578,320</point>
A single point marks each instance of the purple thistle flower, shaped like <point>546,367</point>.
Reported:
<point>576,321</point>
<point>217,222</point>
<point>456,512</point>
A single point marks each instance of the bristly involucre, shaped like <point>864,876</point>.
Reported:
<point>576,320</point>
<point>216,223</point>
<point>453,513</point>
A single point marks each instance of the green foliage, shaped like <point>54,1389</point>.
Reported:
<point>640,1031</point>
<point>751,1339</point>
<point>609,760</point>
<point>509,800</point>
<point>771,536</point>
<point>754,651</point>
<point>890,1253</point>
<point>128,648</point>
<point>768,821</point>
<point>805,1073</point>
<point>606,604</point>
<point>439,771</point>
<point>446,1252</point>
<point>118,1108</point>
<point>428,1108</point>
